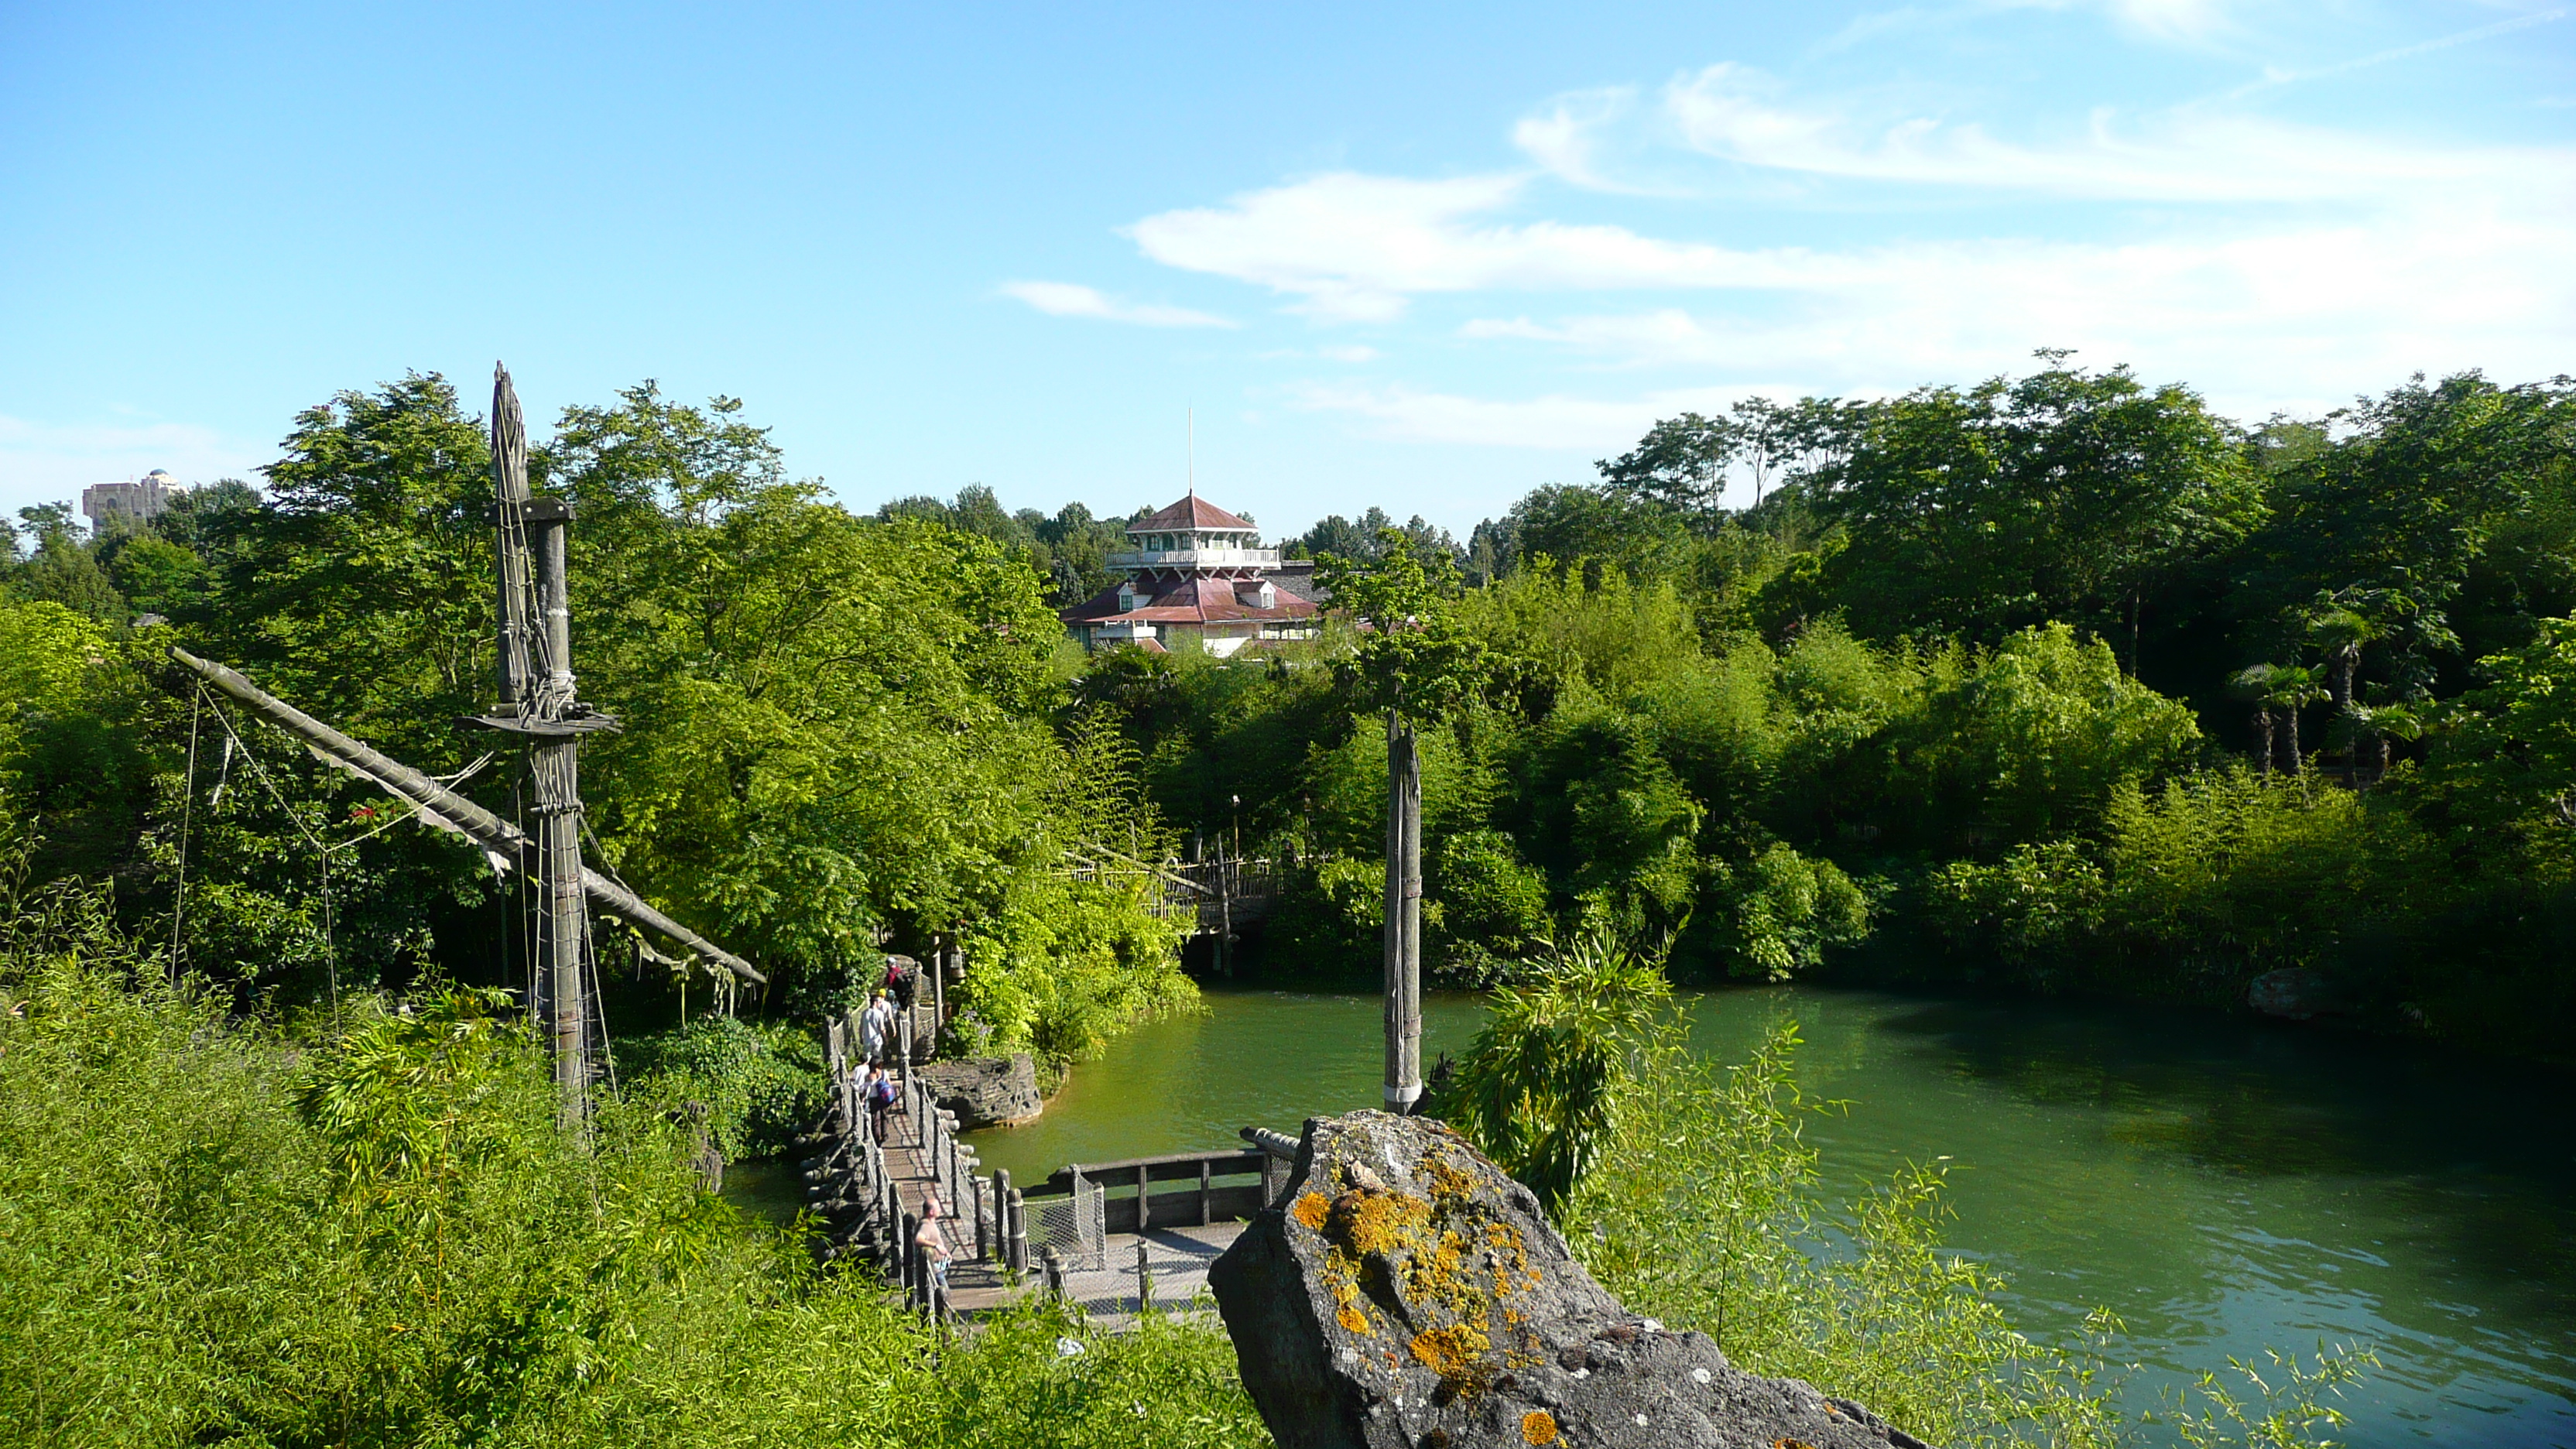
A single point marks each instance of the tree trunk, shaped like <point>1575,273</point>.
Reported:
<point>2348,664</point>
<point>2263,727</point>
<point>2290,717</point>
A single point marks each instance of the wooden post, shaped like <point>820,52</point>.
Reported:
<point>938,993</point>
<point>1053,1269</point>
<point>1001,1217</point>
<point>509,552</point>
<point>1015,1244</point>
<point>1403,1085</point>
<point>903,1043</point>
<point>1144,1189</point>
<point>1144,1279</point>
<point>890,1209</point>
<point>473,821</point>
<point>1203,1192</point>
<point>1224,913</point>
<point>975,1190</point>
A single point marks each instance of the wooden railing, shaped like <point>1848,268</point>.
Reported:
<point>857,1187</point>
<point>1183,1189</point>
<point>1218,894</point>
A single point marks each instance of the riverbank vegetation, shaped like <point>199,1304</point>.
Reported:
<point>1685,1184</point>
<point>363,1226</point>
<point>2059,682</point>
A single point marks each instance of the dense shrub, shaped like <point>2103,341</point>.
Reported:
<point>761,1083</point>
<point>372,1232</point>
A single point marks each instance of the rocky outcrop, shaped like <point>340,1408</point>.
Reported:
<point>985,1091</point>
<point>2296,993</point>
<point>1405,1294</point>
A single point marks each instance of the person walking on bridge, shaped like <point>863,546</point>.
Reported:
<point>933,1239</point>
<point>876,1024</point>
<point>879,1093</point>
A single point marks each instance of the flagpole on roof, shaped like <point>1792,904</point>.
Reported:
<point>1190,421</point>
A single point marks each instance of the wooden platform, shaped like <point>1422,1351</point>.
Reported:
<point>1177,1260</point>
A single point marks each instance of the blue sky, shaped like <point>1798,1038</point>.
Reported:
<point>1415,256</point>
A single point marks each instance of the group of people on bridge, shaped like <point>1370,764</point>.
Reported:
<point>892,1000</point>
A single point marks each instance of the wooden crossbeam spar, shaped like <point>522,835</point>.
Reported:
<point>1276,1144</point>
<point>478,824</point>
<point>1182,881</point>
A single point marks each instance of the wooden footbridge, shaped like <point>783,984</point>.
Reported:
<point>1110,1238</point>
<point>1113,1237</point>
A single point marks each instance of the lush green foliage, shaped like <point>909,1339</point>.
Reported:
<point>1964,694</point>
<point>761,1084</point>
<point>372,1233</point>
<point>1534,1088</point>
<point>841,735</point>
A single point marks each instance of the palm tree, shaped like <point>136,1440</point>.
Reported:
<point>2253,684</point>
<point>2283,688</point>
<point>2339,626</point>
<point>2384,723</point>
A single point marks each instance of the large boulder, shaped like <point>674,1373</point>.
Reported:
<point>2297,993</point>
<point>1406,1294</point>
<point>985,1091</point>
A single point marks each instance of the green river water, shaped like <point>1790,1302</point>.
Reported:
<point>2221,1185</point>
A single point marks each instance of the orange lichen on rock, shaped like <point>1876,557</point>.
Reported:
<point>1538,1426</point>
<point>1446,1178</point>
<point>1380,1222</point>
<point>1349,1314</point>
<point>1311,1210</point>
<point>1451,1352</point>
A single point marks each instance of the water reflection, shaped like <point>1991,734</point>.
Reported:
<point>2221,1185</point>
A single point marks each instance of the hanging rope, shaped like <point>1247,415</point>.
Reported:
<point>187,804</point>
<point>321,849</point>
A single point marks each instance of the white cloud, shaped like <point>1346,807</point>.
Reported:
<point>2193,154</point>
<point>2261,320</point>
<point>2191,22</point>
<point>1355,247</point>
<point>1568,137</point>
<point>51,462</point>
<point>1069,299</point>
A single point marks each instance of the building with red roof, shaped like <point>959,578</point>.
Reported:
<point>1196,579</point>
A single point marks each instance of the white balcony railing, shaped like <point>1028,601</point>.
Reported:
<point>1123,629</point>
<point>1197,558</point>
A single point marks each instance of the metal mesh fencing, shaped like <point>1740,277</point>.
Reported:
<point>1073,1226</point>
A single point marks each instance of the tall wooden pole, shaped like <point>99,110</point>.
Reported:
<point>1403,918</point>
<point>537,685</point>
<point>510,563</point>
<point>563,924</point>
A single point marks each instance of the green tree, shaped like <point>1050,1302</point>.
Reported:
<point>2066,495</point>
<point>63,569</point>
<point>1416,657</point>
